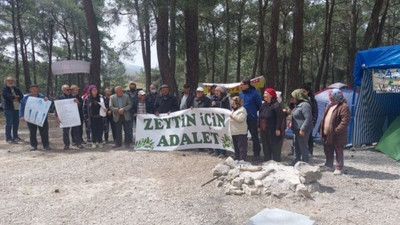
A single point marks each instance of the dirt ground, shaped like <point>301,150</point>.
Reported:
<point>121,186</point>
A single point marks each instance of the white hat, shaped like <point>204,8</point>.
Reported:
<point>199,89</point>
<point>141,92</point>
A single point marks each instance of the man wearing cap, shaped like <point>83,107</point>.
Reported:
<point>187,98</point>
<point>12,96</point>
<point>140,107</point>
<point>151,98</point>
<point>44,131</point>
<point>165,102</point>
<point>201,101</point>
<point>252,103</point>
<point>66,94</point>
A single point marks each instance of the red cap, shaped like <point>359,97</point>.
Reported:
<point>271,91</point>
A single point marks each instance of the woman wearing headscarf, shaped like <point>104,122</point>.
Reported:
<point>301,125</point>
<point>272,126</point>
<point>91,112</point>
<point>334,129</point>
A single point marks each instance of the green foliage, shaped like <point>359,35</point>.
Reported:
<point>145,143</point>
<point>227,141</point>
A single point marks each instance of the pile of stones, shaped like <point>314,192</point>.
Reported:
<point>270,178</point>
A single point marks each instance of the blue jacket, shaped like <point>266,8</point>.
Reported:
<point>23,103</point>
<point>8,97</point>
<point>251,102</point>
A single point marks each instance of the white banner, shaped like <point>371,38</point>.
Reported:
<point>70,66</point>
<point>67,111</point>
<point>36,110</point>
<point>257,82</point>
<point>386,80</point>
<point>186,129</point>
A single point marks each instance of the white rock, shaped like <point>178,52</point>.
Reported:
<point>258,184</point>
<point>219,184</point>
<point>301,190</point>
<point>248,180</point>
<point>237,182</point>
<point>232,174</point>
<point>250,191</point>
<point>220,170</point>
<point>307,172</point>
<point>314,187</point>
<point>230,162</point>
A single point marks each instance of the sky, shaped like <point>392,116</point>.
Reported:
<point>120,34</point>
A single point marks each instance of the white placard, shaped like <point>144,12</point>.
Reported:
<point>386,80</point>
<point>186,129</point>
<point>70,66</point>
<point>103,109</point>
<point>68,113</point>
<point>36,110</point>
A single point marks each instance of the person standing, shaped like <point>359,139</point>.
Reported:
<point>314,110</point>
<point>187,98</point>
<point>66,94</point>
<point>76,140</point>
<point>151,98</point>
<point>272,126</point>
<point>133,95</point>
<point>165,102</point>
<point>239,128</point>
<point>108,120</point>
<point>12,96</point>
<point>120,105</point>
<point>252,103</point>
<point>87,125</point>
<point>201,101</point>
<point>222,101</point>
<point>92,112</point>
<point>44,130</point>
<point>334,129</point>
<point>141,106</point>
<point>301,125</point>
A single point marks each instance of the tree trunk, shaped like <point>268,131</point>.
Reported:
<point>33,58</point>
<point>15,39</point>
<point>147,60</point>
<point>255,63</point>
<point>95,65</point>
<point>272,58</point>
<point>372,24</point>
<point>239,37</point>
<point>378,37</point>
<point>214,52</point>
<point>25,62</point>
<point>297,45</point>
<point>262,8</point>
<point>192,43</point>
<point>227,42</point>
<point>50,90</point>
<point>162,45</point>
<point>172,43</point>
<point>325,49</point>
<point>351,52</point>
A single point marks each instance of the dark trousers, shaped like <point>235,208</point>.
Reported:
<point>87,129</point>
<point>109,123</point>
<point>311,144</point>
<point>66,130</point>
<point>77,139</point>
<point>253,128</point>
<point>12,123</point>
<point>271,148</point>
<point>330,150</point>
<point>127,128</point>
<point>96,125</point>
<point>44,134</point>
<point>301,146</point>
<point>240,145</point>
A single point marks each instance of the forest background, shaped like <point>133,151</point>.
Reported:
<point>221,41</point>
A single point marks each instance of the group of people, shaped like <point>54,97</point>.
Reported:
<point>265,119</point>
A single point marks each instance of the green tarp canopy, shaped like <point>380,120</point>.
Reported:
<point>390,141</point>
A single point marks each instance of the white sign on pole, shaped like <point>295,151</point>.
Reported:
<point>70,66</point>
<point>36,110</point>
<point>186,129</point>
<point>68,113</point>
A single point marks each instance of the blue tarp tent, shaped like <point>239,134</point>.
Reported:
<point>373,112</point>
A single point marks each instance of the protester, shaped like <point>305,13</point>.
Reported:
<point>301,125</point>
<point>151,98</point>
<point>334,129</point>
<point>239,128</point>
<point>12,96</point>
<point>187,98</point>
<point>141,106</point>
<point>108,120</point>
<point>133,95</point>
<point>222,101</point>
<point>44,130</point>
<point>252,103</point>
<point>76,140</point>
<point>211,95</point>
<point>272,126</point>
<point>314,110</point>
<point>201,101</point>
<point>120,105</point>
<point>165,102</point>
<point>66,94</point>
<point>87,123</point>
<point>92,108</point>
